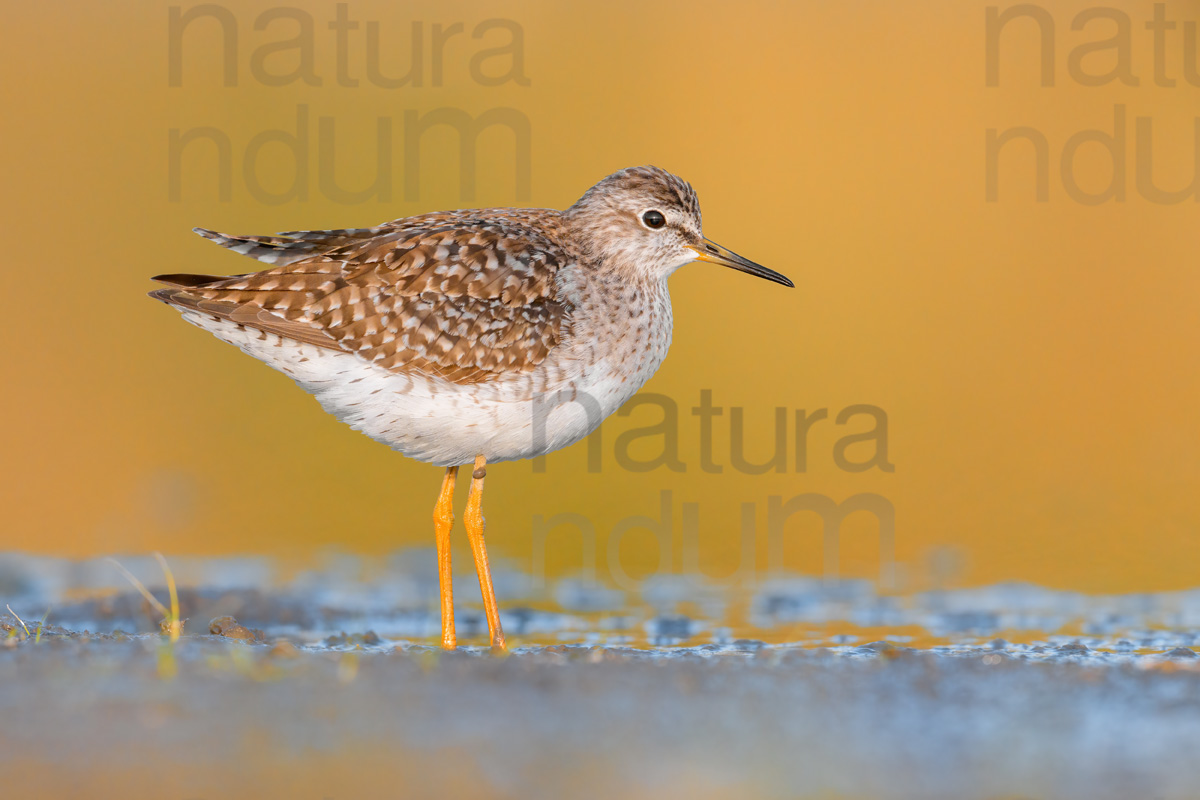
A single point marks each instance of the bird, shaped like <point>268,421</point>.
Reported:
<point>468,337</point>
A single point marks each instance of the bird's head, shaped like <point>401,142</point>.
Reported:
<point>647,221</point>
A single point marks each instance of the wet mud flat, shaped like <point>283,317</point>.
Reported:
<point>326,683</point>
<point>354,716</point>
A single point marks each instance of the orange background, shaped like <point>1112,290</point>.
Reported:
<point>1038,362</point>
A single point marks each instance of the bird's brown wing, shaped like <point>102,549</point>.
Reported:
<point>466,296</point>
<point>285,248</point>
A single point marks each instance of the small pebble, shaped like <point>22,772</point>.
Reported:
<point>164,626</point>
<point>284,649</point>
<point>230,628</point>
<point>1181,652</point>
<point>344,639</point>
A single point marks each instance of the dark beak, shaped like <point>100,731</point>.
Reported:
<point>710,251</point>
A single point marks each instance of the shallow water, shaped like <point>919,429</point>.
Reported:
<point>796,688</point>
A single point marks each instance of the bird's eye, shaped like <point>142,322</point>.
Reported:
<point>654,219</point>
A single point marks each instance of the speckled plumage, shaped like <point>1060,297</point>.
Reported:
<point>502,332</point>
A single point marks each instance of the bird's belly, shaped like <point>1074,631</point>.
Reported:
<point>516,416</point>
<point>449,424</point>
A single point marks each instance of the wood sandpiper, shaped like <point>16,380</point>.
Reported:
<point>468,337</point>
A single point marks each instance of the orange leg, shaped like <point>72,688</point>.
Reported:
<point>473,520</point>
<point>443,521</point>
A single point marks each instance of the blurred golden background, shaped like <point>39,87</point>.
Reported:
<point>1037,361</point>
